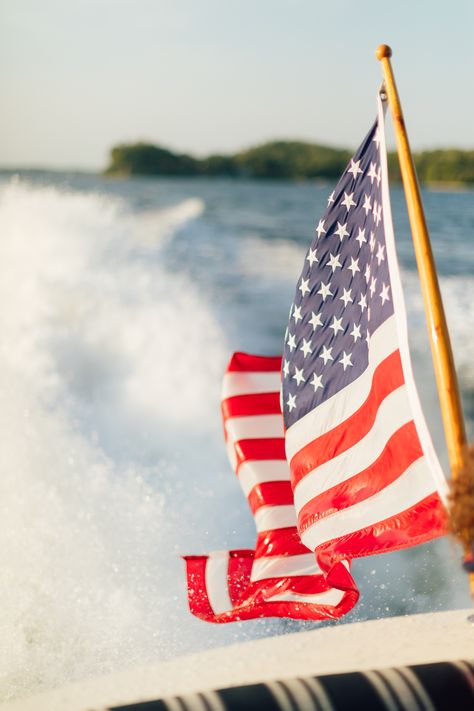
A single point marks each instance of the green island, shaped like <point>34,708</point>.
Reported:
<point>289,160</point>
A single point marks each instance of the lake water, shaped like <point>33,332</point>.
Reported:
<point>121,303</point>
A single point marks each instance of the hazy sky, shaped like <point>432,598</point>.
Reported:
<point>78,76</point>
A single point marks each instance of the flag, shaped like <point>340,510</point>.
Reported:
<point>281,577</point>
<point>364,472</point>
<point>350,469</point>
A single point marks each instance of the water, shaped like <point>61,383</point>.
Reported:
<point>121,302</point>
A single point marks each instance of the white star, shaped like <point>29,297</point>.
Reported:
<point>361,237</point>
<point>291,402</point>
<point>297,314</point>
<point>367,272</point>
<point>372,285</point>
<point>354,168</point>
<point>326,354</point>
<point>379,175</point>
<point>372,241</point>
<point>374,210</point>
<point>341,231</point>
<point>306,347</point>
<point>354,267</point>
<point>362,302</point>
<point>336,325</point>
<point>331,198</point>
<point>320,229</point>
<point>378,216</point>
<point>346,297</point>
<point>384,293</point>
<point>376,138</point>
<point>291,342</point>
<point>303,287</point>
<point>348,202</point>
<point>316,381</point>
<point>380,253</point>
<point>311,258</point>
<point>367,206</point>
<point>372,172</point>
<point>355,333</point>
<point>334,262</point>
<point>315,320</point>
<point>286,368</point>
<point>298,376</point>
<point>325,290</point>
<point>346,360</point>
<point>368,314</point>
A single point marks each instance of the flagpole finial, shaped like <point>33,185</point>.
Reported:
<point>383,50</point>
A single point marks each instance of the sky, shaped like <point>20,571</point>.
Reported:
<point>206,76</point>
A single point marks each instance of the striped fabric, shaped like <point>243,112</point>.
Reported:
<point>364,472</point>
<point>280,577</point>
<point>444,686</point>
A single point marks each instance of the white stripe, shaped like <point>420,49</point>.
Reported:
<point>347,401</point>
<point>231,454</point>
<point>412,680</point>
<point>466,670</point>
<point>173,704</point>
<point>216,582</point>
<point>284,566</point>
<point>250,383</point>
<point>320,692</point>
<point>214,700</point>
<point>300,693</point>
<point>401,689</point>
<point>256,472</point>
<point>190,702</point>
<point>406,491</point>
<point>401,319</point>
<point>393,412</point>
<point>380,686</point>
<point>268,518</point>
<point>330,597</point>
<point>254,427</point>
<point>280,696</point>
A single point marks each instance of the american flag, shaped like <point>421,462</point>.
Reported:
<point>364,472</point>
<point>352,470</point>
<point>281,577</point>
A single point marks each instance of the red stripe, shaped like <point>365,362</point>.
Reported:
<point>303,584</point>
<point>259,449</point>
<point>270,493</point>
<point>255,605</point>
<point>402,449</point>
<point>420,523</point>
<point>248,405</point>
<point>198,599</point>
<point>238,574</point>
<point>388,376</point>
<point>247,363</point>
<point>279,541</point>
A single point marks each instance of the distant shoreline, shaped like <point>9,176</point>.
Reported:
<point>282,160</point>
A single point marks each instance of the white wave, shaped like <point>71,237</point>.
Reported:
<point>110,370</point>
<point>159,226</point>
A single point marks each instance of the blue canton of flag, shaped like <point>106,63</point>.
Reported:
<point>344,291</point>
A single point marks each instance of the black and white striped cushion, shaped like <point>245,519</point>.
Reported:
<point>444,686</point>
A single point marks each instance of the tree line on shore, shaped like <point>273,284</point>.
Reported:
<point>289,160</point>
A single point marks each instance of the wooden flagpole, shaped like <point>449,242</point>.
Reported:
<point>448,389</point>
